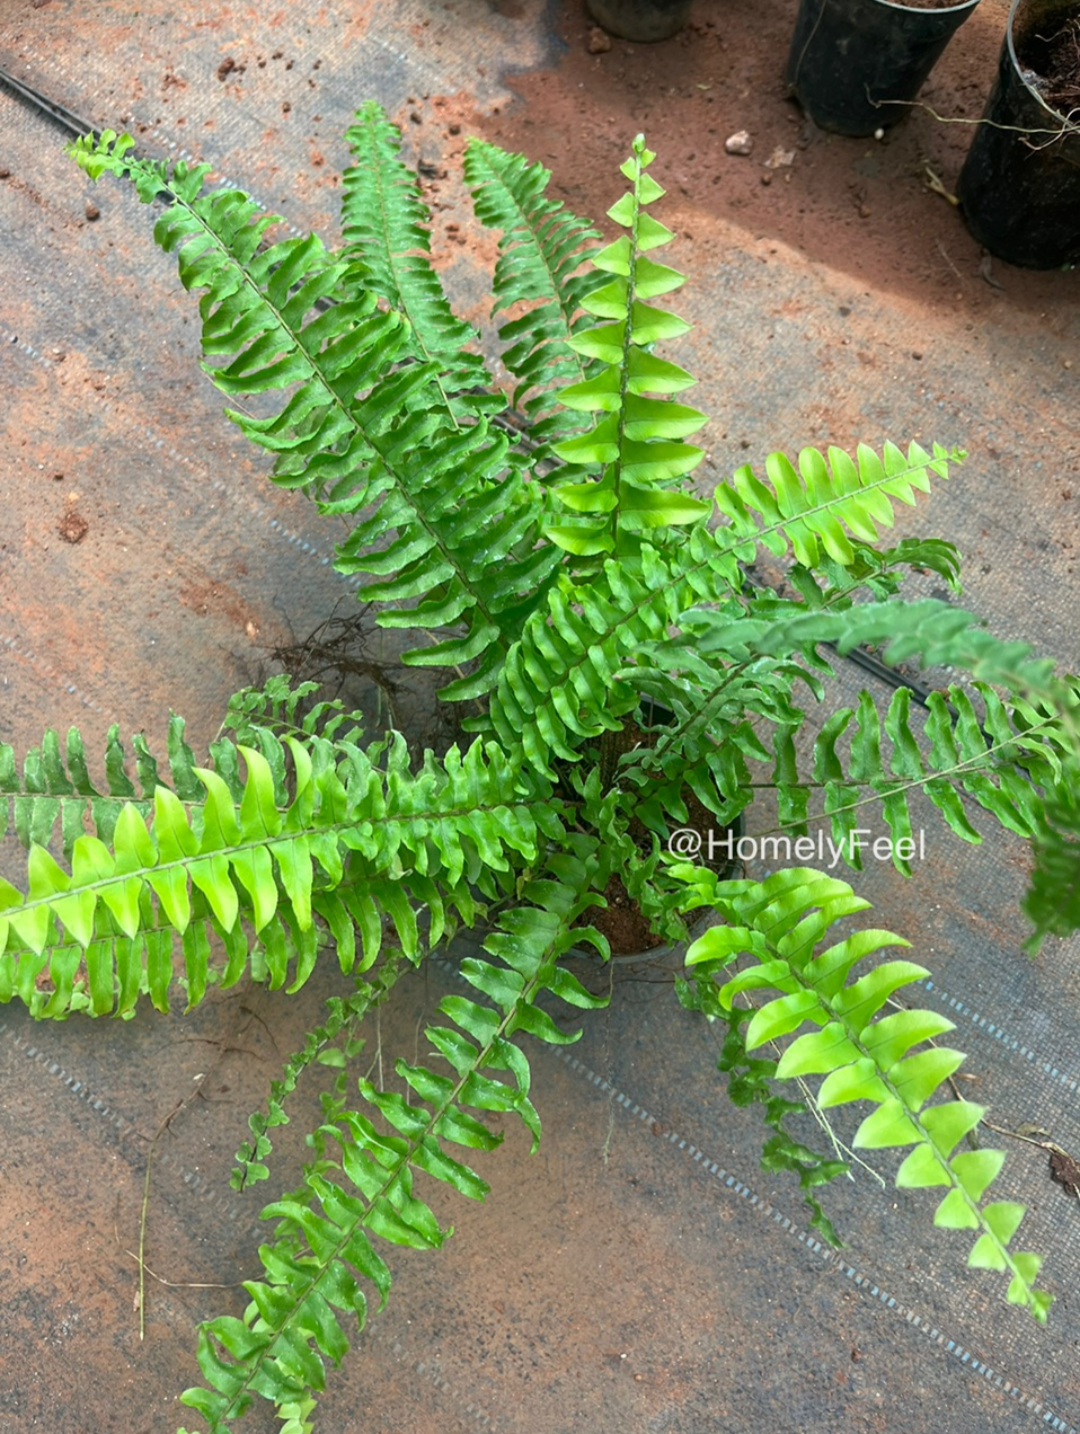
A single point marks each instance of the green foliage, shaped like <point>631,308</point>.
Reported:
<point>1053,902</point>
<point>325,1255</point>
<point>313,839</point>
<point>442,508</point>
<point>808,509</point>
<point>595,612</point>
<point>887,1061</point>
<point>56,786</point>
<point>622,471</point>
<point>752,1081</point>
<point>541,251</point>
<point>384,221</point>
<point>333,1044</point>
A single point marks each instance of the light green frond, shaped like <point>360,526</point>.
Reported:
<point>827,505</point>
<point>623,475</point>
<point>868,1049</point>
<point>315,843</point>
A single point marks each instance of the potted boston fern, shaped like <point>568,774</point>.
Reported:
<point>594,621</point>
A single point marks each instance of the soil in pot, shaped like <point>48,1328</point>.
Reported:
<point>1052,66</point>
<point>622,922</point>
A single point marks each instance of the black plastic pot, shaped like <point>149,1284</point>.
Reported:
<point>641,20</point>
<point>856,64</point>
<point>1019,189</point>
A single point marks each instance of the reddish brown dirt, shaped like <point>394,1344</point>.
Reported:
<point>867,208</point>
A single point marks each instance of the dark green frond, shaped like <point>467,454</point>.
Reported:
<point>1053,900</point>
<point>752,1081</point>
<point>56,786</point>
<point>326,1258</point>
<point>331,1044</point>
<point>541,252</point>
<point>386,227</point>
<point>447,516</point>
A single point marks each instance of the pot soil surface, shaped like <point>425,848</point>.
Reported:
<point>621,921</point>
<point>1054,67</point>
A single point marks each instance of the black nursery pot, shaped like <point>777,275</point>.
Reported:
<point>641,20</point>
<point>854,64</point>
<point>1019,189</point>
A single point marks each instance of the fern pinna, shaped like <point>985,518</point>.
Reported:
<point>594,612</point>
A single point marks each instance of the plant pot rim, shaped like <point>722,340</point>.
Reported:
<point>927,9</point>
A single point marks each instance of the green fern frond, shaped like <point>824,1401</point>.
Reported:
<point>559,685</point>
<point>1052,903</point>
<point>877,571</point>
<point>385,224</point>
<point>779,926</point>
<point>1003,765</point>
<point>1005,756</point>
<point>625,468</point>
<point>331,1044</point>
<point>752,1081</point>
<point>447,514</point>
<point>818,509</point>
<point>928,632</point>
<point>325,1252</point>
<point>271,873</point>
<point>56,785</point>
<point>542,248</point>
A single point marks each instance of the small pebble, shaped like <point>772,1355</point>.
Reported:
<point>599,41</point>
<point>780,158</point>
<point>739,143</point>
<point>5,173</point>
<point>92,211</point>
<point>454,128</point>
<point>879,134</point>
<point>1066,363</point>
